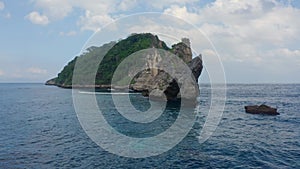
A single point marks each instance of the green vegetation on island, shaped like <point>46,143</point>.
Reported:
<point>116,52</point>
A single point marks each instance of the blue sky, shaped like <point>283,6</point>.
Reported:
<point>257,41</point>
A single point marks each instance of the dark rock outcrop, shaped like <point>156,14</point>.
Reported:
<point>262,109</point>
<point>196,67</point>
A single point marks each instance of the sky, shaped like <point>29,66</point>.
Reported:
<point>257,41</point>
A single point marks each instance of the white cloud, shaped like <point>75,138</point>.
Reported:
<point>70,33</point>
<point>8,15</point>
<point>256,21</point>
<point>36,70</point>
<point>248,30</point>
<point>182,12</point>
<point>55,9</point>
<point>2,5</point>
<point>95,7</point>
<point>1,73</point>
<point>96,14</point>
<point>262,34</point>
<point>209,53</point>
<point>161,4</point>
<point>37,18</point>
<point>283,58</point>
<point>127,4</point>
<point>285,52</point>
<point>93,21</point>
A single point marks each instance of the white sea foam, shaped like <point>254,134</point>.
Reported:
<point>106,93</point>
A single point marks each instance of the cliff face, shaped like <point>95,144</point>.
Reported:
<point>154,82</point>
<point>161,85</point>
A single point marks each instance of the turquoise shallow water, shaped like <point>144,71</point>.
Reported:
<point>39,129</point>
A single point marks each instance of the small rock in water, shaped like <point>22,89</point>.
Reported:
<point>262,109</point>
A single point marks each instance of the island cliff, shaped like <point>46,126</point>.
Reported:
<point>146,81</point>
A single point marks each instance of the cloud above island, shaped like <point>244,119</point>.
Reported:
<point>70,33</point>
<point>2,6</point>
<point>1,73</point>
<point>36,70</point>
<point>37,18</point>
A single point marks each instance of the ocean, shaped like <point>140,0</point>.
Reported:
<point>39,128</point>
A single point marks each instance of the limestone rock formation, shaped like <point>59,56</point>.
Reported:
<point>161,85</point>
<point>153,80</point>
<point>183,50</point>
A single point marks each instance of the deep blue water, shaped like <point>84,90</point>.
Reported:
<point>39,129</point>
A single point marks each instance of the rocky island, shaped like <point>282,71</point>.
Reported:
<point>153,82</point>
